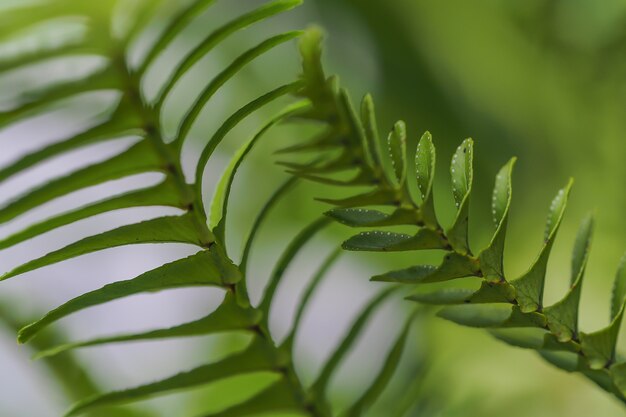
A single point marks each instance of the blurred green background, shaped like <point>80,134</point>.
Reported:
<point>544,80</point>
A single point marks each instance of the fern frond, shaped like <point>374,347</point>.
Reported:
<point>135,115</point>
<point>512,309</point>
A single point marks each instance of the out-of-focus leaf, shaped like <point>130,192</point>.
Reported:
<point>203,268</point>
<point>163,194</point>
<point>179,22</point>
<point>178,229</point>
<point>228,316</point>
<point>220,79</point>
<point>122,123</point>
<point>256,358</point>
<point>218,35</point>
<point>138,159</point>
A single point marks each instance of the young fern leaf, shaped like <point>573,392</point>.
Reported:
<point>425,158</point>
<point>492,257</point>
<point>178,229</point>
<point>512,309</point>
<point>396,142</point>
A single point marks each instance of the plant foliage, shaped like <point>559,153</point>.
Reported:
<point>395,189</point>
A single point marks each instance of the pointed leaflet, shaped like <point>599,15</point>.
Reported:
<point>163,194</point>
<point>228,316</point>
<point>563,315</point>
<point>121,123</point>
<point>599,346</point>
<point>396,142</point>
<point>529,287</point>
<point>160,230</point>
<point>106,79</point>
<point>138,159</point>
<point>492,257</point>
<point>319,386</point>
<point>370,130</point>
<point>390,241</point>
<point>257,357</point>
<point>221,78</point>
<point>425,159</point>
<point>204,268</point>
<point>491,316</point>
<point>219,204</point>
<point>453,266</point>
<point>381,381</point>
<point>462,175</point>
<point>219,34</point>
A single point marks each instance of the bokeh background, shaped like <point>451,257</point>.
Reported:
<point>544,80</point>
